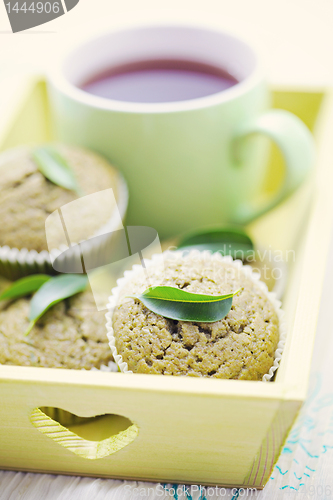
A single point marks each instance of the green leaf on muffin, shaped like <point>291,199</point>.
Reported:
<point>228,241</point>
<point>24,286</point>
<point>53,291</point>
<point>178,304</point>
<point>55,168</point>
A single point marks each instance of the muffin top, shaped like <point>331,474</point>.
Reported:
<point>70,335</point>
<point>240,346</point>
<point>27,198</point>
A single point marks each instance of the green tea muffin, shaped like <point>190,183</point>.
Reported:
<point>240,346</point>
<point>27,197</point>
<point>70,335</point>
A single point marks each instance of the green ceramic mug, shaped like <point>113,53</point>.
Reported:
<point>189,163</point>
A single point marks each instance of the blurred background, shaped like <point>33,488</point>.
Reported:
<point>294,37</point>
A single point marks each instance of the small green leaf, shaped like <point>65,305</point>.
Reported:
<point>24,286</point>
<point>227,241</point>
<point>55,168</point>
<point>177,304</point>
<point>53,291</point>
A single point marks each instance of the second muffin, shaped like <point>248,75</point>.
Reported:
<point>240,346</point>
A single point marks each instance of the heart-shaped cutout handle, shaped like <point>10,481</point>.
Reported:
<point>91,438</point>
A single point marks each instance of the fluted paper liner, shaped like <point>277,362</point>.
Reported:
<point>157,259</point>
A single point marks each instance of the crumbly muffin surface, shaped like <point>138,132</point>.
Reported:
<point>27,198</point>
<point>70,335</point>
<point>240,346</point>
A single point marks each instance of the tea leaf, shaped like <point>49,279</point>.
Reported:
<point>24,286</point>
<point>53,291</point>
<point>55,168</point>
<point>227,241</point>
<point>181,305</point>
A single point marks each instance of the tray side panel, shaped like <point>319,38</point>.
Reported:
<point>296,362</point>
<point>270,448</point>
<point>197,438</point>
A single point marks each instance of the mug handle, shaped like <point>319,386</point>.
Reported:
<point>296,144</point>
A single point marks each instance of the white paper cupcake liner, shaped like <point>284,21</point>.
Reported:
<point>158,259</point>
<point>110,367</point>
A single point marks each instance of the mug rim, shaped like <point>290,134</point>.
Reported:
<point>57,78</point>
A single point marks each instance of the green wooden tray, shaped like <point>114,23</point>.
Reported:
<point>171,429</point>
